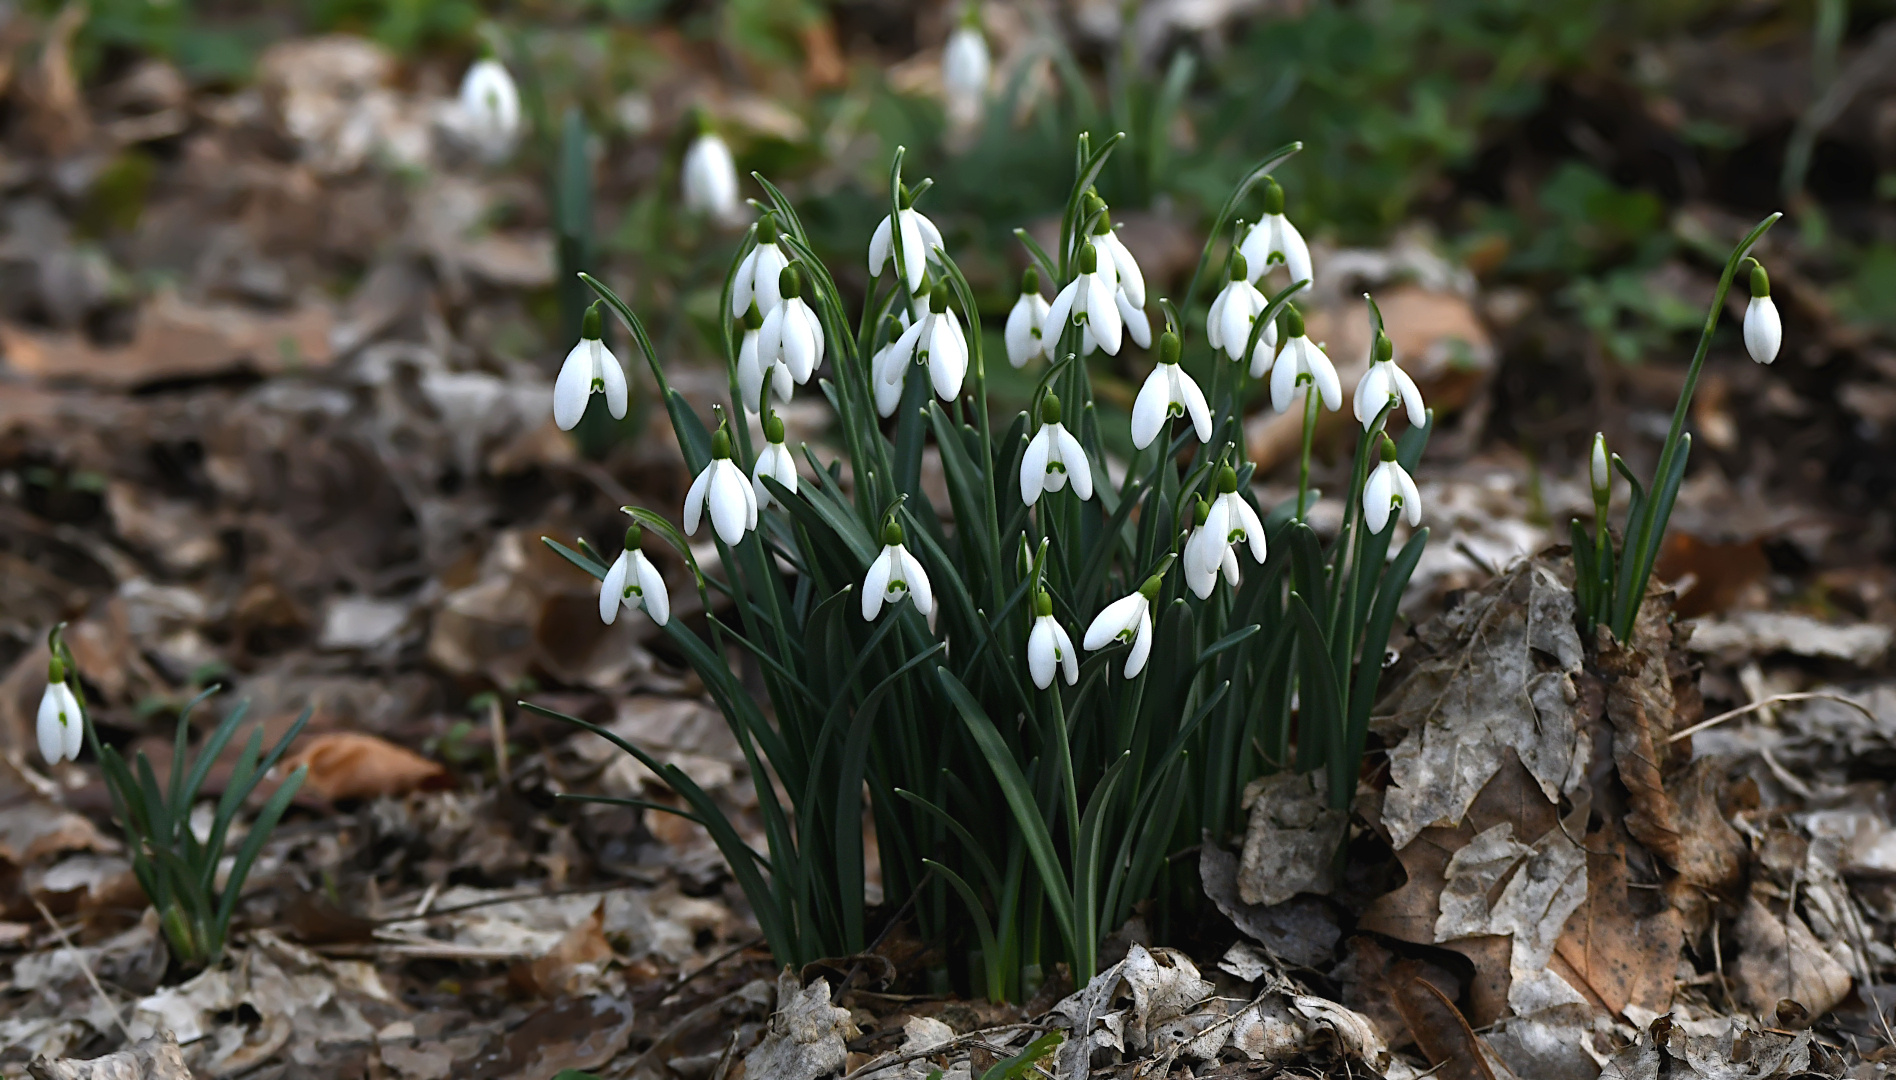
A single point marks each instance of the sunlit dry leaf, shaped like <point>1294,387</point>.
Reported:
<point>352,765</point>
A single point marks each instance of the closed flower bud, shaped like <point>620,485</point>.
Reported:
<point>1763,330</point>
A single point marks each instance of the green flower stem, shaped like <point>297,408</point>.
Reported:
<point>1309,443</point>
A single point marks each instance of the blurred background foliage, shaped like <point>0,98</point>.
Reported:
<point>1544,144</point>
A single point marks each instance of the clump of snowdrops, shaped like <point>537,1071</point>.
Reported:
<point>179,870</point>
<point>1042,690</point>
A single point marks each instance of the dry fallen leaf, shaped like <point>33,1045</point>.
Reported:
<point>806,1036</point>
<point>1291,840</point>
<point>352,765</point>
<point>155,1058</point>
<point>1780,959</point>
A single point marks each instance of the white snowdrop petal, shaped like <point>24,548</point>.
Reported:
<point>614,377</point>
<point>728,499</point>
<point>51,733</point>
<point>1195,407</point>
<point>1069,660</point>
<point>1138,326</point>
<point>1033,465</point>
<point>1073,456</point>
<point>612,589</point>
<point>1102,315</point>
<point>1131,280</point>
<point>875,584</point>
<point>573,387</point>
<point>1118,616</point>
<point>1041,650</point>
<point>655,598</point>
<point>694,499</point>
<point>1296,253</point>
<point>1149,408</point>
<point>880,246</point>
<point>1411,498</point>
<point>1214,319</point>
<point>914,254</point>
<point>921,592</point>
<point>1323,374</point>
<point>1764,331</point>
<point>1141,646</point>
<point>1377,495</point>
<point>1411,395</point>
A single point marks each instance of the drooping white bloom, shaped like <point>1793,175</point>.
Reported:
<point>1206,554</point>
<point>1385,381</point>
<point>919,237</point>
<point>590,368</point>
<point>710,178</point>
<point>1600,470</point>
<point>1764,331</point>
<point>1233,314</point>
<point>1228,522</point>
<point>1114,250</point>
<point>791,334</point>
<point>774,461</point>
<point>1049,649</point>
<point>759,274</point>
<point>633,582</point>
<point>1390,487</point>
<point>1128,618</point>
<point>1025,333</point>
<point>893,575</point>
<point>490,106</point>
<point>751,374</point>
<point>1300,360</point>
<point>61,726</point>
<point>1275,239</point>
<point>1090,299</point>
<point>937,340</point>
<point>965,68</point>
<point>1168,392</point>
<point>724,488</point>
<point>1053,457</point>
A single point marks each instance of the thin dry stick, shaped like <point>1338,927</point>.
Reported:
<point>970,1039</point>
<point>497,724</point>
<point>80,959</point>
<point>1765,703</point>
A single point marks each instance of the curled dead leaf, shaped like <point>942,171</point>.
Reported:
<point>352,765</point>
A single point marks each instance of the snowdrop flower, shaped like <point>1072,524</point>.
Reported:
<point>710,177</point>
<point>893,575</point>
<point>726,490</point>
<point>1223,524</point>
<point>491,106</point>
<point>1048,646</point>
<point>1206,555</point>
<point>1111,248</point>
<point>1128,618</point>
<point>936,339</point>
<point>1600,470</point>
<point>1026,323</point>
<point>1389,487</point>
<point>1384,383</point>
<point>634,582</point>
<point>1053,457</point>
<point>791,334</point>
<point>965,67</point>
<point>61,725</point>
<point>1234,312</point>
<point>1091,299</point>
<point>920,238</point>
<point>751,374</point>
<point>1168,392</point>
<point>1299,361</point>
<point>589,369</point>
<point>1764,332</point>
<point>1275,239</point>
<point>758,275</point>
<point>773,461</point>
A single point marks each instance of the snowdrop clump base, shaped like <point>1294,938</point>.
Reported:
<point>919,659</point>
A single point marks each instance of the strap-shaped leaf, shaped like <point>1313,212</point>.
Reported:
<point>260,830</point>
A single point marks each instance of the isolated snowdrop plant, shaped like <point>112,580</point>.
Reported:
<point>1386,384</point>
<point>710,177</point>
<point>1301,362</point>
<point>590,368</point>
<point>1234,311</point>
<point>965,69</point>
<point>1274,240</point>
<point>633,582</point>
<point>895,575</point>
<point>1049,649</point>
<point>1053,458</point>
<point>1168,391</point>
<point>1025,332</point>
<point>724,490</point>
<point>774,461</point>
<point>791,335</point>
<point>918,239</point>
<point>1092,300</point>
<point>1023,798</point>
<point>490,106</point>
<point>1763,331</point>
<point>61,726</point>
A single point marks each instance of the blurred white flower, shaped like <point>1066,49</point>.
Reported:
<point>490,106</point>
<point>919,238</point>
<point>1233,314</point>
<point>1026,322</point>
<point>759,273</point>
<point>1275,239</point>
<point>61,726</point>
<point>965,68</point>
<point>774,461</point>
<point>710,179</point>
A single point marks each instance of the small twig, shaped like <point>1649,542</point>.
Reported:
<point>426,910</point>
<point>1765,703</point>
<point>427,899</point>
<point>80,959</point>
<point>712,963</point>
<point>497,725</point>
